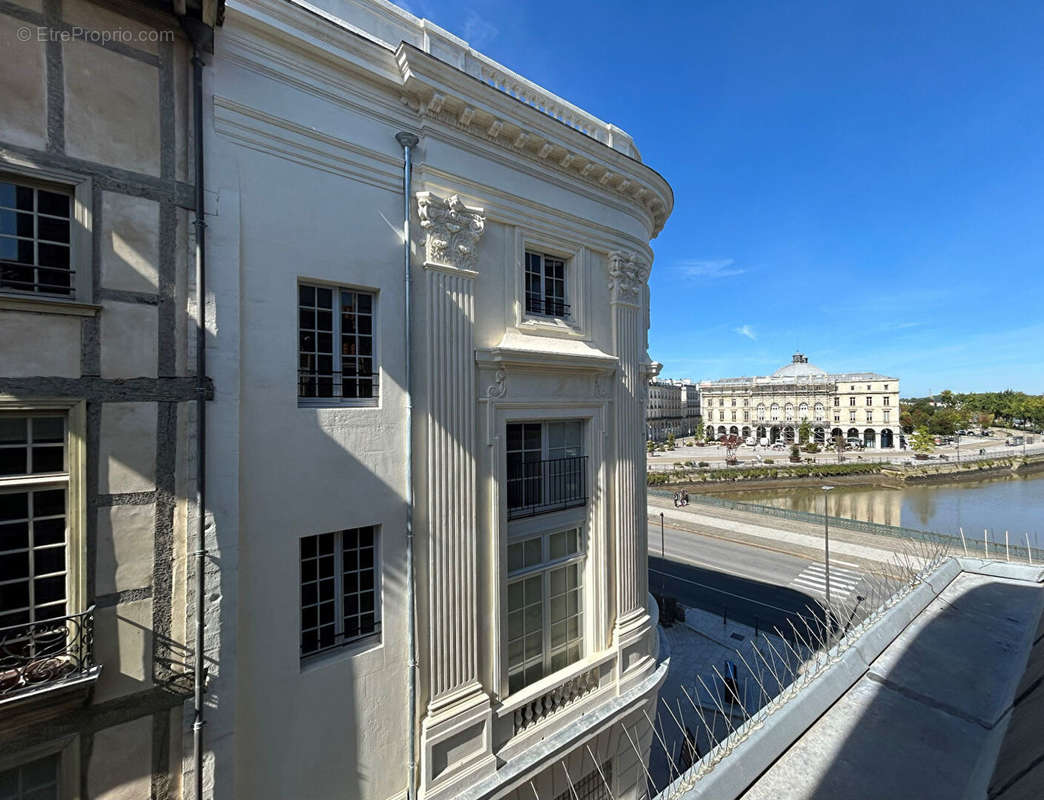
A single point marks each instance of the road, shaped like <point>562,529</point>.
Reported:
<point>753,585</point>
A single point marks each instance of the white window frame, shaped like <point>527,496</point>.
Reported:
<point>343,643</point>
<point>72,479</point>
<point>544,568</point>
<point>578,265</point>
<point>81,224</point>
<point>377,375</point>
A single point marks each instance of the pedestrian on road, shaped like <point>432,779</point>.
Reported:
<point>684,498</point>
<point>677,499</point>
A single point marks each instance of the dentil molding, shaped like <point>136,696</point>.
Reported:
<point>452,229</point>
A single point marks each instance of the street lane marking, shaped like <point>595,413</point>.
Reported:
<point>842,581</point>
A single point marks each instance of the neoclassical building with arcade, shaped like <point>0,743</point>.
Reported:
<point>861,407</point>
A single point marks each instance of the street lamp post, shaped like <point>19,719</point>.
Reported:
<point>826,544</point>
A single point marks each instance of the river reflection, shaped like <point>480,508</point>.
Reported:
<point>1013,504</point>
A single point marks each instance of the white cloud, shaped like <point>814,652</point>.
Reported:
<point>746,330</point>
<point>709,268</point>
<point>478,31</point>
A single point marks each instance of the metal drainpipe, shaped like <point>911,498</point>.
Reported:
<point>408,141</point>
<point>200,35</point>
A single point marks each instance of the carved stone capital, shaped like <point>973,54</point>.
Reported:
<point>453,230</point>
<point>627,276</point>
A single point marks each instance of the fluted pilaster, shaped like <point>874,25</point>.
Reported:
<point>627,276</point>
<point>452,234</point>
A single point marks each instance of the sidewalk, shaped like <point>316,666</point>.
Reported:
<point>784,535</point>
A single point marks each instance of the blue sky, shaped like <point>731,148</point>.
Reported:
<point>863,181</point>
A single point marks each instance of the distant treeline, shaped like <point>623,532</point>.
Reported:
<point>954,411</point>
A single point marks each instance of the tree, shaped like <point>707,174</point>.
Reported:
<point>804,431</point>
<point>923,442</point>
<point>983,419</point>
<point>701,434</point>
<point>670,441</point>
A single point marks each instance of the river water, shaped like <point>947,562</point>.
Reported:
<point>1011,504</point>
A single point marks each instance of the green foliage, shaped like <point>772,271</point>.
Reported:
<point>804,431</point>
<point>760,473</point>
<point>795,451</point>
<point>649,446</point>
<point>670,441</point>
<point>923,441</point>
<point>957,410</point>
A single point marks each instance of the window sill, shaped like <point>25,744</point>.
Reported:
<point>334,402</point>
<point>48,305</point>
<point>549,326</point>
<point>530,693</point>
<point>356,647</point>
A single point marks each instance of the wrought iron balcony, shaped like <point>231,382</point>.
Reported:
<point>42,654</point>
<point>546,306</point>
<point>537,487</point>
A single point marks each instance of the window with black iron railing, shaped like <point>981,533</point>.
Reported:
<point>35,240</point>
<point>546,306</point>
<point>539,486</point>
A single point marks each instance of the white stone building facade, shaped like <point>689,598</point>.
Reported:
<point>860,407</point>
<point>674,408</point>
<point>536,653</point>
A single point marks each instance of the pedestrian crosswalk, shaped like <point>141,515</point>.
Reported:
<point>812,578</point>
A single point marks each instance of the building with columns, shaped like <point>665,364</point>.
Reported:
<point>860,407</point>
<point>428,486</point>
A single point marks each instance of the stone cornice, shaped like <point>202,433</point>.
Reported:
<point>452,231</point>
<point>628,273</point>
<point>439,91</point>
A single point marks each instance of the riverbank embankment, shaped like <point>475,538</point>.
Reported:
<point>805,475</point>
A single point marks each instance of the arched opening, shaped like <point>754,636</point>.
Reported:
<point>819,436</point>
<point>734,431</point>
<point>721,430</point>
<point>870,438</point>
<point>886,438</point>
<point>788,434</point>
<point>836,432</point>
<point>746,431</point>
<point>774,434</point>
<point>853,436</point>
<point>761,433</point>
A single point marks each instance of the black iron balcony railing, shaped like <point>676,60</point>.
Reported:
<point>546,306</point>
<point>19,277</point>
<point>41,653</point>
<point>537,487</point>
<point>342,385</point>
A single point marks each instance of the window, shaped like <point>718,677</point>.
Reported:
<point>593,786</point>
<point>790,412</point>
<point>733,402</point>
<point>35,240</point>
<point>886,387</point>
<point>851,416</point>
<point>837,401</point>
<point>868,387</point>
<point>837,416</point>
<point>761,413</point>
<point>336,344</point>
<point>886,415</point>
<point>34,487</point>
<point>851,401</point>
<point>775,412</point>
<point>746,416</point>
<point>885,401</point>
<point>819,412</point>
<point>546,467</point>
<point>340,595</point>
<point>545,608</point>
<point>37,780</point>
<point>803,411</point>
<point>869,416</point>
<point>733,416</point>
<point>869,401</point>
<point>545,285</point>
<point>746,402</point>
